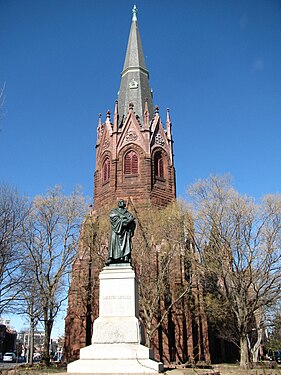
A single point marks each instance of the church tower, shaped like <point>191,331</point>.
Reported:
<point>134,161</point>
<point>134,152</point>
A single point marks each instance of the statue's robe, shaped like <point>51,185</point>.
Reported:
<point>122,229</point>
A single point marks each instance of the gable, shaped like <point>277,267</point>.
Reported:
<point>131,133</point>
<point>105,141</point>
<point>158,136</point>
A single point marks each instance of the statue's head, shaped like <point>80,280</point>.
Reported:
<point>121,203</point>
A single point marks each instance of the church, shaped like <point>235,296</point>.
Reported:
<point>135,162</point>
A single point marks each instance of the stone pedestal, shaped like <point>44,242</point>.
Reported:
<point>117,342</point>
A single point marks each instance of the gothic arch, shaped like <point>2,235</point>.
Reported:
<point>159,165</point>
<point>106,168</point>
<point>131,159</point>
<point>131,163</point>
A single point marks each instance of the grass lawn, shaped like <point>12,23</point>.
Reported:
<point>226,369</point>
<point>222,369</point>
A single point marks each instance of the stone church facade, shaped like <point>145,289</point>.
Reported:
<point>135,162</point>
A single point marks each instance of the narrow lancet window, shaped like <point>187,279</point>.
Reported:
<point>106,170</point>
<point>158,165</point>
<point>131,163</point>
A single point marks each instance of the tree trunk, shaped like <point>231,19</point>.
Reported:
<point>190,348</point>
<point>89,311</point>
<point>148,335</point>
<point>160,339</point>
<point>244,354</point>
<point>47,339</point>
<point>31,341</point>
<point>256,348</point>
<point>204,326</point>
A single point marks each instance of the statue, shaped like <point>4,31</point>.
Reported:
<point>122,229</point>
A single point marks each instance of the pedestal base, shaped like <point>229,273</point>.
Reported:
<point>117,335</point>
<point>115,359</point>
<point>110,330</point>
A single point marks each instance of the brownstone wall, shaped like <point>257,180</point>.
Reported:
<point>174,340</point>
<point>182,335</point>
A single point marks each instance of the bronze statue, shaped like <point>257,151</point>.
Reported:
<point>122,229</point>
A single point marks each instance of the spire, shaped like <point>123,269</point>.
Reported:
<point>108,122</point>
<point>99,129</point>
<point>146,115</point>
<point>134,85</point>
<point>116,116</point>
<point>169,125</point>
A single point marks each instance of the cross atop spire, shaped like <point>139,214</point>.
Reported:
<point>134,11</point>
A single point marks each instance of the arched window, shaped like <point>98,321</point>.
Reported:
<point>158,165</point>
<point>131,163</point>
<point>106,170</point>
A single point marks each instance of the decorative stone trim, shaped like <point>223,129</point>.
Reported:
<point>159,140</point>
<point>133,84</point>
<point>131,136</point>
<point>106,143</point>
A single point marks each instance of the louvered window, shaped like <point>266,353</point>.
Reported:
<point>106,170</point>
<point>131,163</point>
<point>135,164</point>
<point>159,165</point>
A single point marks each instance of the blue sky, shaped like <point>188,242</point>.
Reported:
<point>215,64</point>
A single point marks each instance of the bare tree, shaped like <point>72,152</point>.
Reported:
<point>83,295</point>
<point>238,247</point>
<point>50,241</point>
<point>29,305</point>
<point>160,256</point>
<point>13,211</point>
